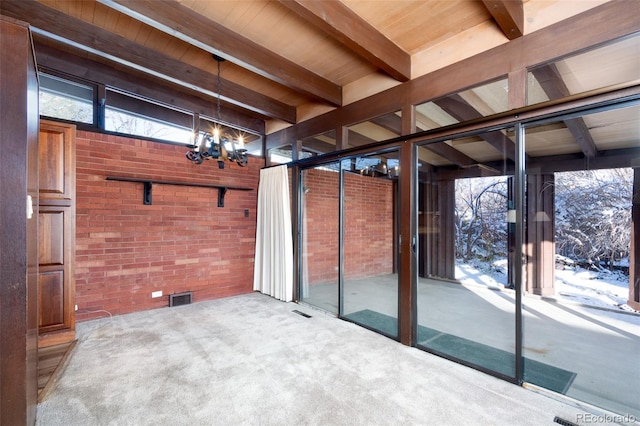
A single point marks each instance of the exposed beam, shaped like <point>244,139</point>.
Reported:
<point>52,58</point>
<point>80,34</point>
<point>357,139</point>
<point>173,18</point>
<point>459,109</point>
<point>343,24</point>
<point>551,82</point>
<point>509,14</point>
<point>317,146</point>
<point>541,46</point>
<point>393,123</point>
<point>448,152</point>
<point>612,159</point>
<point>390,122</point>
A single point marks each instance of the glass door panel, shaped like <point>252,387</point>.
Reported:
<point>320,236</point>
<point>580,294</point>
<point>465,296</point>
<point>370,290</point>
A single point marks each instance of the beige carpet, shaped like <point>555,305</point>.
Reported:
<point>250,360</point>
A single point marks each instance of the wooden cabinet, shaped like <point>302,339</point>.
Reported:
<point>56,224</point>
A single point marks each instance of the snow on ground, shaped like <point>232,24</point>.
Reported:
<point>604,288</point>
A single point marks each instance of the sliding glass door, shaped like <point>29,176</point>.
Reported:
<point>466,298</point>
<point>370,286</point>
<point>348,213</point>
<point>320,238</point>
<point>581,331</point>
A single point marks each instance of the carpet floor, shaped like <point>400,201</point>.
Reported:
<point>251,360</point>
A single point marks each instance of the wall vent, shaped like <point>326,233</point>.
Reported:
<point>295,311</point>
<point>178,299</point>
<point>563,422</point>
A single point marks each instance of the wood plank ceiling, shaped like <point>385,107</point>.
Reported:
<point>289,60</point>
<point>285,60</point>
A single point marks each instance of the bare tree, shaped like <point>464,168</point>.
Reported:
<point>481,208</point>
<point>593,216</point>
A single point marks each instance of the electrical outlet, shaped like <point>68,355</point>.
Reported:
<point>155,294</point>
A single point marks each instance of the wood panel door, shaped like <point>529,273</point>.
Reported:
<point>56,292</point>
<point>56,224</point>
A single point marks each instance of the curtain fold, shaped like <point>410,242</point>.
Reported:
<point>273,267</point>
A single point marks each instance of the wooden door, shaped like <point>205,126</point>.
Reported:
<point>56,284</point>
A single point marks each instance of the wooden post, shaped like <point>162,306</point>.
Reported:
<point>437,229</point>
<point>634,256</point>
<point>18,225</point>
<point>540,224</point>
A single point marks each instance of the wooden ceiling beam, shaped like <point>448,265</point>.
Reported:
<point>612,159</point>
<point>69,30</point>
<point>179,21</point>
<point>344,25</point>
<point>390,122</point>
<point>393,123</point>
<point>357,139</point>
<point>448,152</point>
<point>459,109</point>
<point>509,14</point>
<point>317,146</point>
<point>551,82</point>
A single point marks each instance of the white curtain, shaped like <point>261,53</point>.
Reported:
<point>273,268</point>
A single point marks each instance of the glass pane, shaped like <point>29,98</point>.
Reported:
<point>320,236</point>
<point>581,286</point>
<point>370,278</point>
<point>320,144</point>
<point>120,121</point>
<point>385,127</point>
<point>465,296</point>
<point>615,63</point>
<point>280,155</point>
<point>477,102</point>
<point>65,99</point>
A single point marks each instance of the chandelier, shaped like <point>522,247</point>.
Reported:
<point>217,145</point>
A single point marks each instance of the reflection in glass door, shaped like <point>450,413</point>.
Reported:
<point>580,296</point>
<point>465,296</point>
<point>320,237</point>
<point>370,290</point>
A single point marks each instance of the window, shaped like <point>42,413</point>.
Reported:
<point>66,100</point>
<point>135,116</point>
<point>615,63</point>
<point>470,104</point>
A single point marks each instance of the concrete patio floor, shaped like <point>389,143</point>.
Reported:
<point>602,347</point>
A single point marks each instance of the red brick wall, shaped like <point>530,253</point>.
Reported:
<point>320,228</point>
<point>182,242</point>
<point>368,249</point>
<point>368,229</point>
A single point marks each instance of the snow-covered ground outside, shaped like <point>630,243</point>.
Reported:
<point>604,289</point>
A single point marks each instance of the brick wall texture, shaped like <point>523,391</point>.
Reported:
<point>126,250</point>
<point>182,242</point>
<point>368,230</point>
